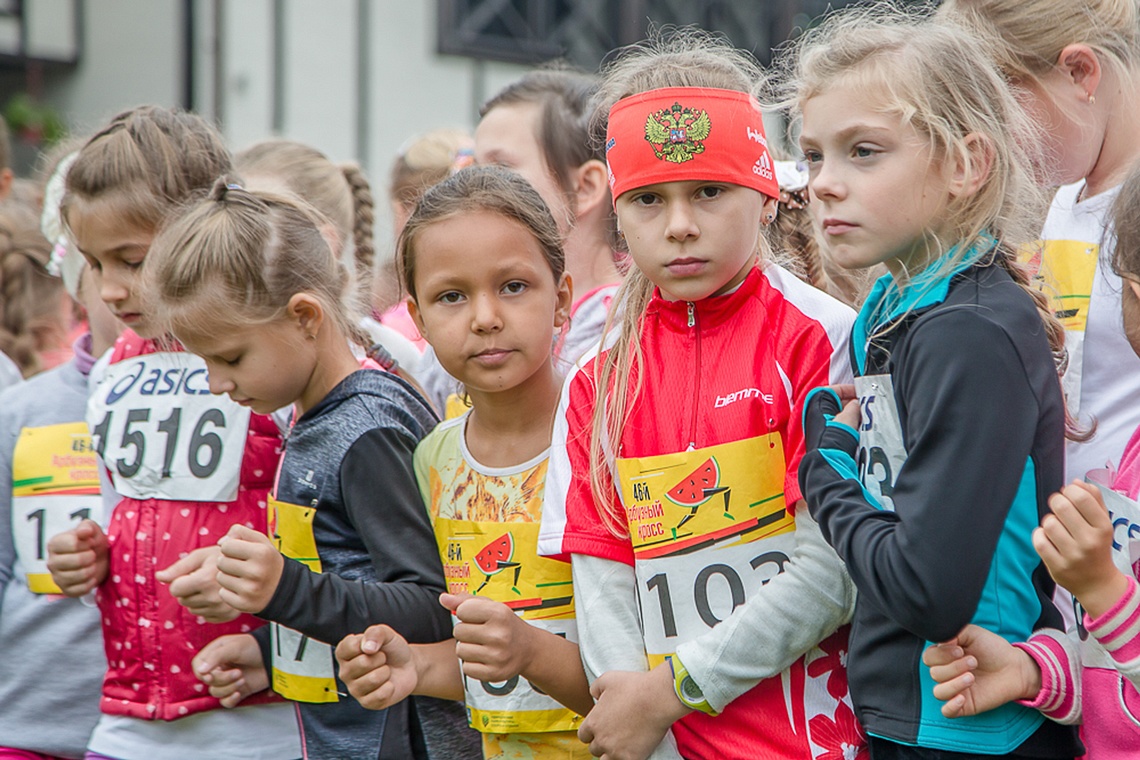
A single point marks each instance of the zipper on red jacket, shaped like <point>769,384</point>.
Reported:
<point>696,375</point>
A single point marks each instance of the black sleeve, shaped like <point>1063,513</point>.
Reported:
<point>383,503</point>
<point>970,422</point>
<point>264,640</point>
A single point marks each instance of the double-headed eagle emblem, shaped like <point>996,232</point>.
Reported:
<point>677,133</point>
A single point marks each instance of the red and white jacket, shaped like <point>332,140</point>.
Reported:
<point>723,384</point>
<point>149,637</point>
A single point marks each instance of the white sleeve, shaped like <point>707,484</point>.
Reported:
<point>609,625</point>
<point>788,616</point>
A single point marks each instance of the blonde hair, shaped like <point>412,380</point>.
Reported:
<point>340,192</point>
<point>675,58</point>
<point>1026,36</point>
<point>245,254</point>
<point>938,78</point>
<point>149,160</point>
<point>30,298</point>
<point>426,160</point>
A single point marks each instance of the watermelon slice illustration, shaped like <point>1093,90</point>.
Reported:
<point>696,488</point>
<point>495,557</point>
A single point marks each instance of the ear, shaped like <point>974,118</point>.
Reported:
<point>307,313</point>
<point>565,296</point>
<point>972,168</point>
<point>1135,285</point>
<point>591,187</point>
<point>417,318</point>
<point>1082,66</point>
<point>771,209</point>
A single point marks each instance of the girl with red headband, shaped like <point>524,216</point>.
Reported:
<point>710,610</point>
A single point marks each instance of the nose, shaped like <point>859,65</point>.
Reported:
<point>111,289</point>
<point>826,183</point>
<point>485,316</point>
<point>218,381</point>
<point>681,222</point>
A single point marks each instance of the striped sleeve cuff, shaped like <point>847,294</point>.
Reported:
<point>1059,661</point>
<point>1118,629</point>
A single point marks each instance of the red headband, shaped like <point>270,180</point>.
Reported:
<point>688,133</point>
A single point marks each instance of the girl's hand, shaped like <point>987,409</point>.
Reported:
<point>979,671</point>
<point>850,416</point>
<point>494,644</point>
<point>77,558</point>
<point>249,569</point>
<point>232,667</point>
<point>632,713</point>
<point>1075,542</point>
<point>377,666</point>
<point>194,583</point>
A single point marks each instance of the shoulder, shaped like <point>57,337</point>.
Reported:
<point>803,307</point>
<point>374,398</point>
<point>443,442</point>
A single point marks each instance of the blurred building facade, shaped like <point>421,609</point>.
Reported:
<point>355,78</point>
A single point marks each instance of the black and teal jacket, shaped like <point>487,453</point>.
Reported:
<point>933,501</point>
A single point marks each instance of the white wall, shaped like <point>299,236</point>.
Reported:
<point>130,54</point>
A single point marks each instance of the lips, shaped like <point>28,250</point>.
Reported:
<point>686,266</point>
<point>837,226</point>
<point>492,356</point>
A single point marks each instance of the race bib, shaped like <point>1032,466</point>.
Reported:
<point>163,435</point>
<point>1066,273</point>
<point>1125,516</point>
<point>499,560</point>
<point>881,452</point>
<point>302,667</point>
<point>709,527</point>
<point>55,486</point>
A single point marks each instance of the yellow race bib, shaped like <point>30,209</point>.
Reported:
<point>499,560</point>
<point>302,668</point>
<point>55,485</point>
<point>709,527</point>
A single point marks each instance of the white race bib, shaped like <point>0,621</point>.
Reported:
<point>684,596</point>
<point>881,452</point>
<point>1125,515</point>
<point>163,435</point>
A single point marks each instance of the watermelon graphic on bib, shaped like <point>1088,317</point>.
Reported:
<point>496,557</point>
<point>698,487</point>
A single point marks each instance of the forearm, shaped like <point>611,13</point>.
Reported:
<point>1118,631</point>
<point>327,607</point>
<point>438,672</point>
<point>556,669</point>
<point>780,622</point>
<point>609,625</point>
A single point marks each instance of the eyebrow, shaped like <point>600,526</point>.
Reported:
<point>847,132</point>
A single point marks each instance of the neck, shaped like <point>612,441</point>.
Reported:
<point>513,426</point>
<point>1121,146</point>
<point>589,258</point>
<point>334,362</point>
